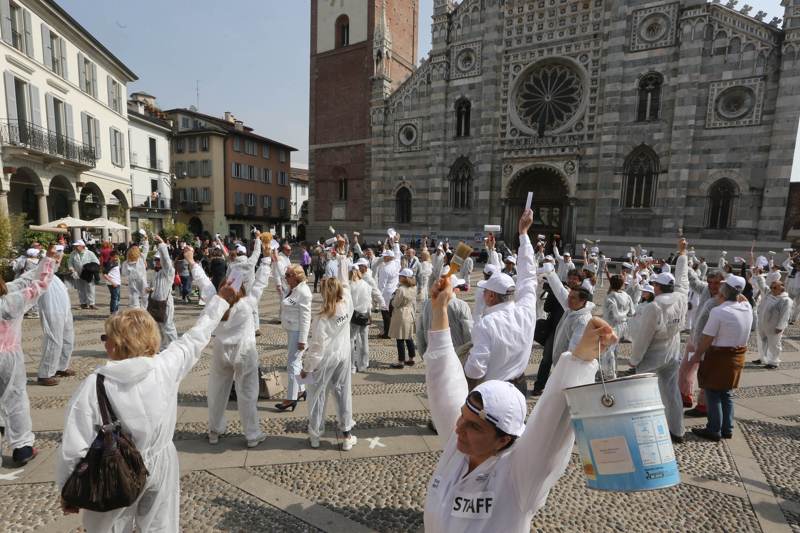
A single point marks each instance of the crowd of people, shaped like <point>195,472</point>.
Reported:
<point>476,356</point>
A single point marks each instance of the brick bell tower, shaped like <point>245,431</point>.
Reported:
<point>361,50</point>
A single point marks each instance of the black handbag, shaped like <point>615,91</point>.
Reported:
<point>157,309</point>
<point>542,331</point>
<point>88,271</point>
<point>360,319</point>
<point>112,474</point>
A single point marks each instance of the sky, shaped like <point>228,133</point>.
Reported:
<point>249,57</point>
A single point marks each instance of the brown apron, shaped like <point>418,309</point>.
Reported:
<point>721,368</point>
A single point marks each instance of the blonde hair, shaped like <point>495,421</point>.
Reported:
<point>408,282</point>
<point>3,288</point>
<point>134,333</point>
<point>355,274</point>
<point>133,254</point>
<point>425,255</point>
<point>298,272</point>
<point>332,293</point>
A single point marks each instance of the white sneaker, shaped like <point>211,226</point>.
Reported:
<point>213,437</point>
<point>314,442</point>
<point>349,442</point>
<point>257,441</point>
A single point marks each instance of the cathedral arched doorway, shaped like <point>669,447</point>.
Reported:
<point>551,207</point>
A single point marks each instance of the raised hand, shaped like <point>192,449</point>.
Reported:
<point>597,337</point>
<point>188,254</point>
<point>227,293</point>
<point>525,221</point>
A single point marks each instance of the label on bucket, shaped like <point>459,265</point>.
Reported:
<point>612,456</point>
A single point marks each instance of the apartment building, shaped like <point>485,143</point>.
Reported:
<point>151,181</point>
<point>63,118</point>
<point>228,178</point>
<point>298,204</point>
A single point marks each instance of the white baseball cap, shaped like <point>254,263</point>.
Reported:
<point>567,254</point>
<point>549,258</point>
<point>407,273</point>
<point>490,269</point>
<point>595,250</point>
<point>354,266</point>
<point>591,267</point>
<point>455,281</point>
<point>510,259</point>
<point>157,256</point>
<point>362,262</point>
<point>503,406</point>
<point>387,253</point>
<point>627,265</point>
<point>665,278</point>
<point>737,282</point>
<point>32,252</point>
<point>240,249</point>
<point>499,282</point>
<point>545,268</point>
<point>773,276</point>
<point>59,247</point>
<point>648,288</point>
<point>79,242</point>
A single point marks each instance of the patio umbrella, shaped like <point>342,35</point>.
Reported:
<point>69,222</point>
<point>48,229</point>
<point>107,224</point>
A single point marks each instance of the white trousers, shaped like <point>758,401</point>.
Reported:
<point>671,396</point>
<point>57,342</point>
<point>15,409</point>
<point>769,348</point>
<point>158,507</point>
<point>85,292</point>
<point>359,343</point>
<point>137,295</point>
<point>333,375</point>
<point>168,331</point>
<point>796,308</point>
<point>244,369</point>
<point>294,365</point>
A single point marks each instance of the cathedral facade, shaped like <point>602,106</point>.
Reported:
<point>629,121</point>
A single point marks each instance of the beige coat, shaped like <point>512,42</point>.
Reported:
<point>403,321</point>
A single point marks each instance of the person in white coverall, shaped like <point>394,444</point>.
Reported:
<point>135,268</point>
<point>655,333</point>
<point>502,338</point>
<point>58,333</point>
<point>578,306</point>
<point>142,387</point>
<point>496,471</point>
<point>16,298</point>
<point>248,264</point>
<point>81,256</point>
<point>493,264</point>
<point>235,352</point>
<point>364,297</point>
<point>388,277</point>
<point>161,290</point>
<point>793,283</point>
<point>617,310</point>
<point>565,264</point>
<point>296,321</point>
<point>327,359</point>
<point>774,311</point>
<point>424,274</point>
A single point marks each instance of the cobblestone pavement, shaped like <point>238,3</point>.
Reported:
<point>746,484</point>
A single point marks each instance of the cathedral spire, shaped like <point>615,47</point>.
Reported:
<point>382,54</point>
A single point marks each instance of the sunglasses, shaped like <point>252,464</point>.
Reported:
<point>104,337</point>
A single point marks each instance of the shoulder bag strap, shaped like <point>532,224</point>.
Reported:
<point>106,411</point>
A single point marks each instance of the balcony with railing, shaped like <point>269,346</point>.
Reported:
<point>18,134</point>
<point>151,201</point>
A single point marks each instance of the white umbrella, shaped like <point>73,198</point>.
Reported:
<point>69,222</point>
<point>107,224</point>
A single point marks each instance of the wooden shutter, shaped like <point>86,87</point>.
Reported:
<point>85,129</point>
<point>81,72</point>
<point>96,130</point>
<point>109,92</point>
<point>5,20</point>
<point>94,80</point>
<point>62,46</point>
<point>28,26</point>
<point>122,149</point>
<point>51,112</point>
<point>68,115</point>
<point>36,105</point>
<point>11,95</point>
<point>114,148</point>
<point>47,49</point>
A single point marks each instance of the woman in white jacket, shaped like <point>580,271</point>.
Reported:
<point>142,386</point>
<point>328,357</point>
<point>235,352</point>
<point>617,309</point>
<point>296,320</point>
<point>774,310</point>
<point>364,296</point>
<point>135,268</point>
<point>495,470</point>
<point>424,274</point>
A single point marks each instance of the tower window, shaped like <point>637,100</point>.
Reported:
<point>342,189</point>
<point>649,97</point>
<point>402,204</point>
<point>461,184</point>
<point>721,202</point>
<point>641,178</point>
<point>342,31</point>
<point>463,108</point>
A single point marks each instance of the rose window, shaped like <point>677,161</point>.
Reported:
<point>735,102</point>
<point>549,96</point>
<point>408,135</point>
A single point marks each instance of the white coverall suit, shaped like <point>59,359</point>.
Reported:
<point>251,262</point>
<point>57,327</point>
<point>328,357</point>
<point>513,485</point>
<point>617,309</point>
<point>162,290</point>
<point>296,320</point>
<point>235,356</point>
<point>143,392</point>
<point>137,278</point>
<point>364,297</point>
<point>656,336</point>
<point>15,408</point>
<point>85,288</point>
<point>773,314</point>
<point>793,288</point>
<point>570,328</point>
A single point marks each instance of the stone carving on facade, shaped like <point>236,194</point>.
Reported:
<point>465,60</point>
<point>653,27</point>
<point>534,23</point>
<point>407,135</point>
<point>569,168</point>
<point>733,103</point>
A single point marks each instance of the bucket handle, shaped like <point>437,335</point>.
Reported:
<point>607,400</point>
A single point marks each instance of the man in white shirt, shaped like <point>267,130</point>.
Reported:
<point>388,279</point>
<point>565,264</point>
<point>722,354</point>
<point>502,338</point>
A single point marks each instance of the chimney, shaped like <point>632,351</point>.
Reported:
<point>239,125</point>
<point>229,117</point>
<point>140,107</point>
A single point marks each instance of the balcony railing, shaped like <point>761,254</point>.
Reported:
<point>190,206</point>
<point>145,201</point>
<point>21,133</point>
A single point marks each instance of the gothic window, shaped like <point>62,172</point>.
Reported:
<point>721,201</point>
<point>342,31</point>
<point>463,108</point>
<point>342,189</point>
<point>641,178</point>
<point>461,184</point>
<point>649,97</point>
<point>402,204</point>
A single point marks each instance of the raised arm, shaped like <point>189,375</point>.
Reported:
<point>526,267</point>
<point>166,261</point>
<point>206,288</point>
<point>558,256</point>
<point>256,253</point>
<point>559,290</point>
<point>682,269</point>
<point>262,280</point>
<point>15,304</point>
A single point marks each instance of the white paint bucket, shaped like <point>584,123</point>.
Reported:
<point>622,434</point>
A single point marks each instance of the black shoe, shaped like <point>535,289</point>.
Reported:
<point>695,413</point>
<point>22,456</point>
<point>537,391</point>
<point>286,406</point>
<point>432,427</point>
<point>302,396</point>
<point>757,362</point>
<point>727,435</point>
<point>410,362</point>
<point>704,433</point>
<point>676,439</point>
<point>397,365</point>
<point>771,367</point>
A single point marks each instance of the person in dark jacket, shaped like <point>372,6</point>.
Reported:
<point>554,312</point>
<point>218,267</point>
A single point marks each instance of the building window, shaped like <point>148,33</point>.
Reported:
<point>114,94</point>
<point>192,169</point>
<point>236,171</point>
<point>463,108</point>
<point>282,178</point>
<point>192,144</point>
<point>266,203</point>
<point>641,178</point>
<point>251,172</point>
<point>342,31</point>
<point>205,195</point>
<point>180,145</point>
<point>251,200</point>
<point>90,127</point>
<point>21,34</point>
<point>181,195</point>
<point>153,153</point>
<point>206,167</point>
<point>117,147</point>
<point>204,143</point>
<point>282,205</point>
<point>721,202</point>
<point>342,189</point>
<point>649,97</point>
<point>180,169</point>
<point>282,156</point>
<point>461,184</point>
<point>185,123</point>
<point>266,151</point>
<point>87,75</point>
<point>55,52</point>
<point>403,206</point>
<point>250,147</point>
<point>237,144</point>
